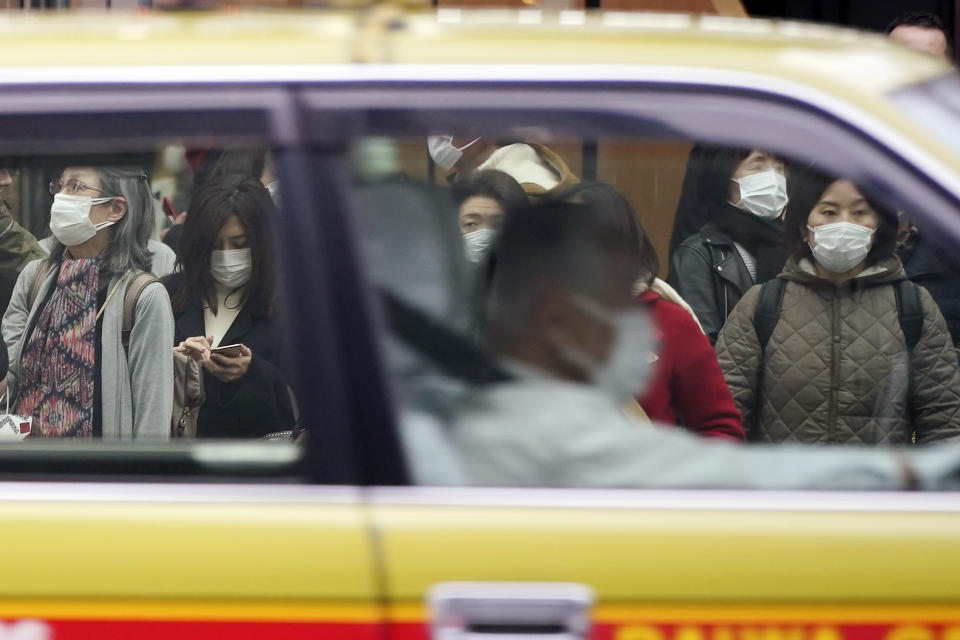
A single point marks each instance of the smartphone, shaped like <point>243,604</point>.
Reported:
<point>168,209</point>
<point>229,350</point>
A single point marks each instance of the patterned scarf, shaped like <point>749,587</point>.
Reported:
<point>58,366</point>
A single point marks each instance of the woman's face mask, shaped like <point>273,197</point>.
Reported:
<point>763,194</point>
<point>840,246</point>
<point>70,219</point>
<point>231,268</point>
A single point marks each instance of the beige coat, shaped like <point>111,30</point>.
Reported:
<point>836,367</point>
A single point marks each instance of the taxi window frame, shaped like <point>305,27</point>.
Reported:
<point>52,118</point>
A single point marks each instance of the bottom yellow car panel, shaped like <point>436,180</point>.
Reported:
<point>182,561</point>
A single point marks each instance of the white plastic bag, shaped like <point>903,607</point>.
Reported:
<point>12,426</point>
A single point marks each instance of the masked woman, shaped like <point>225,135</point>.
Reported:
<point>851,352</point>
<point>224,293</point>
<point>71,367</point>
<point>742,193</point>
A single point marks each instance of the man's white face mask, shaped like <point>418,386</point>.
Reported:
<point>763,194</point>
<point>628,367</point>
<point>444,153</point>
<point>478,243</point>
<point>840,246</point>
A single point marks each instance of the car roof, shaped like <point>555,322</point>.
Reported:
<point>808,53</point>
<point>821,64</point>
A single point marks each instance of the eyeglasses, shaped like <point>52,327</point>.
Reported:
<point>71,186</point>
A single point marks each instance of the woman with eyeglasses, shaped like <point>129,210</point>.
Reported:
<point>71,367</point>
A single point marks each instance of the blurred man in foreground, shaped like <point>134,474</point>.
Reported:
<point>561,321</point>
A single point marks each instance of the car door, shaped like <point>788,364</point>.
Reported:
<point>187,538</point>
<point>619,563</point>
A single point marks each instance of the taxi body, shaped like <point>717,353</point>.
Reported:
<point>250,540</point>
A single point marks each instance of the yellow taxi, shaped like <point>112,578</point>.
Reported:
<point>344,534</point>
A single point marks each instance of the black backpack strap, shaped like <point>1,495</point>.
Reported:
<point>767,314</point>
<point>135,287</point>
<point>910,312</point>
<point>453,353</point>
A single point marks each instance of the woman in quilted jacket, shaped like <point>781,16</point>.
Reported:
<point>834,363</point>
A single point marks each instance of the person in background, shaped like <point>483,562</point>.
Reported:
<point>482,199</point>
<point>539,170</point>
<point>18,247</point>
<point>209,164</point>
<point>687,386</point>
<point>224,293</point>
<point>563,321</point>
<point>838,366</point>
<point>743,192</point>
<point>70,366</point>
<point>922,31</point>
<point>925,263</point>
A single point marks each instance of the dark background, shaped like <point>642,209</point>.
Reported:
<point>874,15</point>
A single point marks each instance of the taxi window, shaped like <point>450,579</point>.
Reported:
<point>144,303</point>
<point>630,311</point>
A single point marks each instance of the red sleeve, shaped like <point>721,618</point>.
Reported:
<point>700,394</point>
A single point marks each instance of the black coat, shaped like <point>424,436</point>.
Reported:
<point>930,267</point>
<point>708,272</point>
<point>257,404</point>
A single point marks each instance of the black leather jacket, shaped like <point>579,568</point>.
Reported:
<point>708,272</point>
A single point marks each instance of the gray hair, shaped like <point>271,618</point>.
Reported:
<point>128,244</point>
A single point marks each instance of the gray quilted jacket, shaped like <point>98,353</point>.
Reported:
<point>836,367</point>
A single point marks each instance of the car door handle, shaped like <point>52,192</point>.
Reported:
<point>510,610</point>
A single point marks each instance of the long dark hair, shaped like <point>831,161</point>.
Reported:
<point>211,207</point>
<point>806,186</point>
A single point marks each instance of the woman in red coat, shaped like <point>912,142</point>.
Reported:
<point>687,387</point>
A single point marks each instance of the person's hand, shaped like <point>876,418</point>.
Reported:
<point>180,219</point>
<point>229,369</point>
<point>197,347</point>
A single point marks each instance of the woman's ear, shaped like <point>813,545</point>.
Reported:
<point>118,209</point>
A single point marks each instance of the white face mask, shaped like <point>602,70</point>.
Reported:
<point>231,268</point>
<point>840,246</point>
<point>763,194</point>
<point>443,152</point>
<point>70,219</point>
<point>478,243</point>
<point>625,373</point>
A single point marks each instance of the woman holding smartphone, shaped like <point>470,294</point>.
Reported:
<point>223,298</point>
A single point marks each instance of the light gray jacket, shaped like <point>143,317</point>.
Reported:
<point>136,395</point>
<point>546,432</point>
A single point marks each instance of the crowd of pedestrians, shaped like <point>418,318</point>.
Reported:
<point>99,307</point>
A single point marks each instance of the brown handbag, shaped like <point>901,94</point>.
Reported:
<point>188,395</point>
